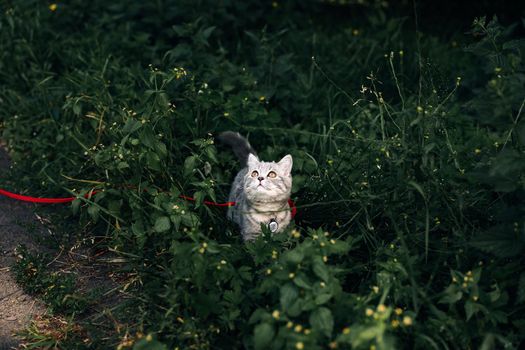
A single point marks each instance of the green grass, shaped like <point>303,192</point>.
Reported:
<point>408,169</point>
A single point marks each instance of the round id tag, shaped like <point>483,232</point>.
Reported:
<point>273,225</point>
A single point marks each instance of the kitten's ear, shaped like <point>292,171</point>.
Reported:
<point>252,160</point>
<point>286,164</point>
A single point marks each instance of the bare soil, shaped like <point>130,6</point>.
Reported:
<point>96,270</point>
<point>16,307</point>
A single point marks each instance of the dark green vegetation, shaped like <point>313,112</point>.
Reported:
<point>409,169</point>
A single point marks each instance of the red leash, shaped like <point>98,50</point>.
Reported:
<point>91,193</point>
<point>42,200</point>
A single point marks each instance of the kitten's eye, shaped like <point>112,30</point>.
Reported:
<point>255,173</point>
<point>272,174</point>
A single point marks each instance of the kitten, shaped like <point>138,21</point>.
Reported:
<point>261,189</point>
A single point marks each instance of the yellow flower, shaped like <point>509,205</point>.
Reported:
<point>298,328</point>
<point>307,331</point>
<point>53,7</point>
<point>477,151</point>
<point>381,308</point>
<point>149,337</point>
<point>332,345</point>
<point>299,345</point>
<point>262,98</point>
<point>325,258</point>
<point>202,250</point>
<point>355,32</point>
<point>419,109</point>
<point>269,271</point>
<point>295,233</point>
<point>346,330</point>
<point>398,311</point>
<point>407,321</point>
<point>180,72</point>
<point>276,314</point>
<point>395,323</point>
<point>291,275</point>
<point>375,289</point>
<point>289,324</point>
<point>369,312</point>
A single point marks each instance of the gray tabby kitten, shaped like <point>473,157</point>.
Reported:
<point>261,190</point>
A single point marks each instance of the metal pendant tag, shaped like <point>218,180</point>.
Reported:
<point>273,225</point>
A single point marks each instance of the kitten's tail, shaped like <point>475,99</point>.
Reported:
<point>241,147</point>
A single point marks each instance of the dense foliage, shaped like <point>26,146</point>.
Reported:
<point>409,168</point>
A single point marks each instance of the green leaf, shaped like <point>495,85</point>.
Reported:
<point>190,219</point>
<point>153,161</point>
<point>207,32</point>
<point>320,269</point>
<point>258,315</point>
<point>138,229</point>
<point>418,189</point>
<point>296,308</point>
<point>263,335</point>
<point>131,126</point>
<point>470,309</point>
<point>302,281</point>
<point>322,320</point>
<point>199,198</point>
<point>75,205</point>
<point>514,44</point>
<point>162,224</point>
<point>176,220</point>
<point>323,298</point>
<point>452,295</point>
<point>122,165</point>
<point>189,165</point>
<point>93,211</point>
<point>288,294</point>
<point>77,108</point>
<point>294,256</point>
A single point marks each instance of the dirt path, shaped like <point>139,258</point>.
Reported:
<point>16,307</point>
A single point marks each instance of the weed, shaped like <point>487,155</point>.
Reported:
<point>408,169</point>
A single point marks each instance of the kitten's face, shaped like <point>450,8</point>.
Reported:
<point>268,181</point>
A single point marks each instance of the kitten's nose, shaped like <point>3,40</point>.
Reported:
<point>260,178</point>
